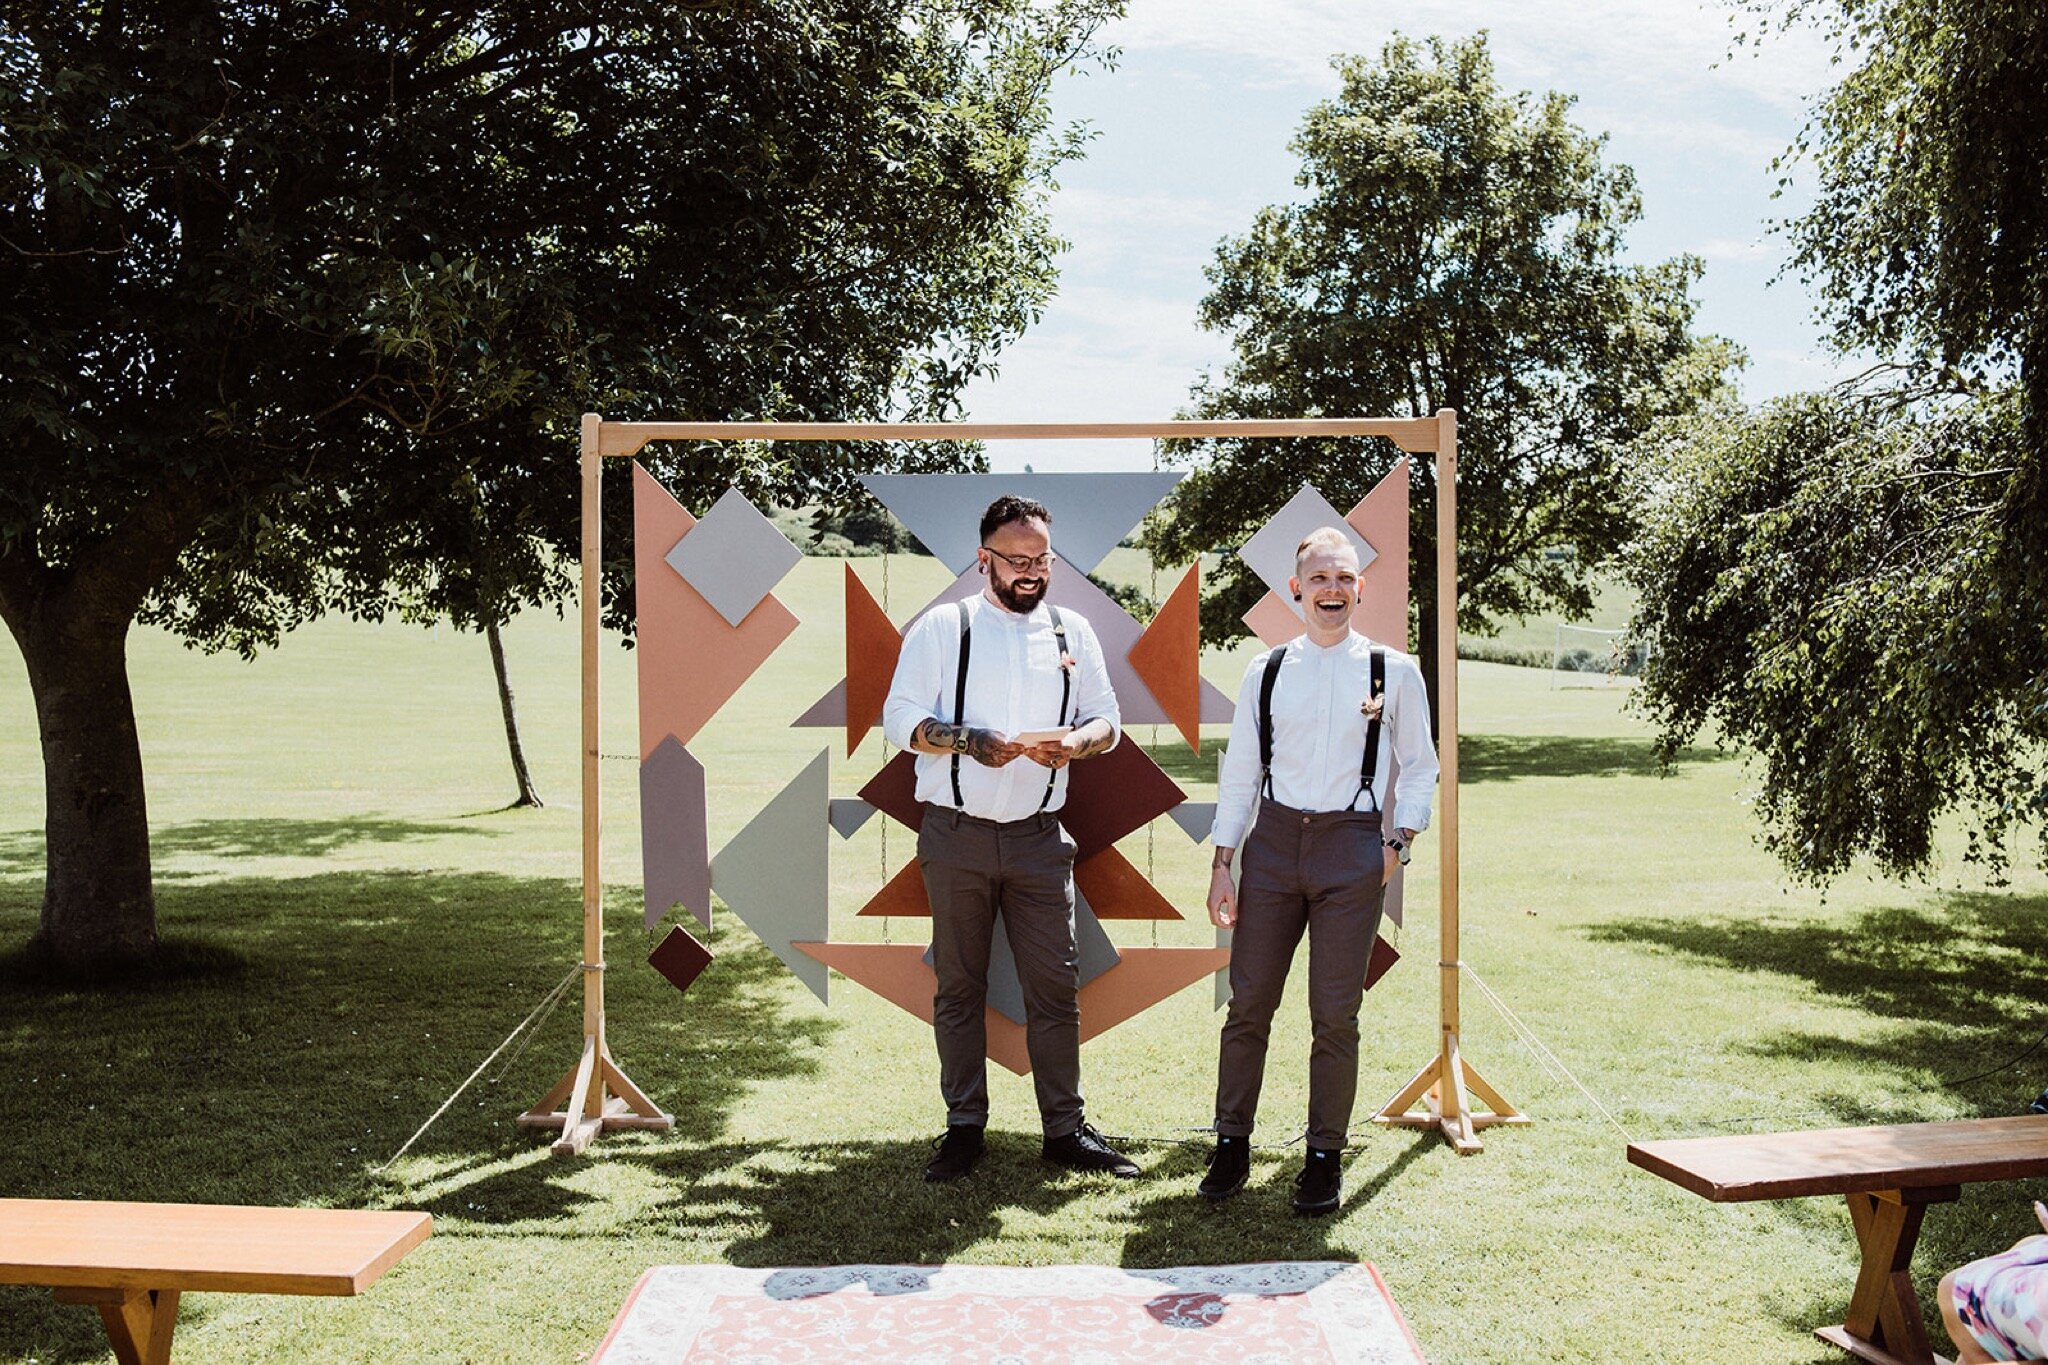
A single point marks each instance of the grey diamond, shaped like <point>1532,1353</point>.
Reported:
<point>734,557</point>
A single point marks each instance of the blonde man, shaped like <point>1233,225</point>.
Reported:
<point>1319,722</point>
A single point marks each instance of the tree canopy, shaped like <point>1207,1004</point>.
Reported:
<point>300,303</point>
<point>1458,246</point>
<point>1855,585</point>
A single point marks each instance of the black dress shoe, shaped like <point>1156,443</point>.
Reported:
<point>1320,1185</point>
<point>1229,1166</point>
<point>959,1149</point>
<point>1084,1150</point>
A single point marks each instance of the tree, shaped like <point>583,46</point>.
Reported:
<point>1459,247</point>
<point>1822,582</point>
<point>300,303</point>
<point>1855,585</point>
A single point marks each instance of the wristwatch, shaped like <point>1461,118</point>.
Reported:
<point>1403,850</point>
<point>960,740</point>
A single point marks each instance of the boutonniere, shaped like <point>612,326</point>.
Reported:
<point>1373,705</point>
<point>1067,662</point>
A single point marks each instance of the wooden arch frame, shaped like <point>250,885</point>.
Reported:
<point>596,1094</point>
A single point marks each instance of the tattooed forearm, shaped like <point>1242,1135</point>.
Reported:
<point>934,736</point>
<point>987,747</point>
<point>1091,738</point>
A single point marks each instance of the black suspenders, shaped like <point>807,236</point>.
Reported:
<point>1368,767</point>
<point>960,699</point>
<point>1059,639</point>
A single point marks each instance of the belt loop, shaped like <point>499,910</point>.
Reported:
<point>956,817</point>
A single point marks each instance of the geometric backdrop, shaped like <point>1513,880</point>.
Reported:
<point>708,618</point>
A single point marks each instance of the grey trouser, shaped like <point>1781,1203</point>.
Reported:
<point>1025,869</point>
<point>1298,871</point>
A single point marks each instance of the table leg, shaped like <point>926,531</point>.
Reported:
<point>139,1321</point>
<point>1883,1325</point>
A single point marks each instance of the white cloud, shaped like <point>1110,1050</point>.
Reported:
<point>1646,45</point>
<point>1193,134</point>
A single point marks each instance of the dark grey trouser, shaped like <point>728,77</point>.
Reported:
<point>972,869</point>
<point>1297,870</point>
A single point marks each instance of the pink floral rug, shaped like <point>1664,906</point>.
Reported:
<point>1283,1311</point>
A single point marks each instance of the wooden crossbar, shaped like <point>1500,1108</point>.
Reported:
<point>1416,435</point>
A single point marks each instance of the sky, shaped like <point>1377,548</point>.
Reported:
<point>1191,133</point>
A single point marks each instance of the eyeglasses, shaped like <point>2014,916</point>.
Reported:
<point>1025,563</point>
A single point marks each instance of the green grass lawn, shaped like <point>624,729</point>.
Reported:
<point>360,924</point>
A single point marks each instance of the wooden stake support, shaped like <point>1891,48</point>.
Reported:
<point>599,1096</point>
<point>596,1094</point>
<point>1441,1087</point>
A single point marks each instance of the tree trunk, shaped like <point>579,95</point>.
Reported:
<point>99,910</point>
<point>527,795</point>
<point>1426,653</point>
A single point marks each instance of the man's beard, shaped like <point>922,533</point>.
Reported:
<point>1020,602</point>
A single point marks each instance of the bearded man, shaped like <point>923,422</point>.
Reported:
<point>996,697</point>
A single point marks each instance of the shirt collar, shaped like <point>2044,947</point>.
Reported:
<point>1350,644</point>
<point>998,612</point>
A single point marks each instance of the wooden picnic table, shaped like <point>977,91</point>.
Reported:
<point>132,1260</point>
<point>1889,1176</point>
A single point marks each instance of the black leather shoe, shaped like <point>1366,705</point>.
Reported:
<point>1084,1150</point>
<point>1229,1166</point>
<point>1320,1185</point>
<point>959,1149</point>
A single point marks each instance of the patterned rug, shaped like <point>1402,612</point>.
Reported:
<point>1284,1311</point>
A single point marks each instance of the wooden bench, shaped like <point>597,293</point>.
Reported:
<point>131,1261</point>
<point>1889,1175</point>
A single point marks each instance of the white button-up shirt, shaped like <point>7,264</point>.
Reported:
<point>1319,738</point>
<point>1013,685</point>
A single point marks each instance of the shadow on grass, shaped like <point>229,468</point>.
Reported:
<point>355,1003</point>
<point>1961,990</point>
<point>1174,1226</point>
<point>855,1202</point>
<point>22,850</point>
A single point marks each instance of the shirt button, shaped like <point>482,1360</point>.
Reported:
<point>1304,819</point>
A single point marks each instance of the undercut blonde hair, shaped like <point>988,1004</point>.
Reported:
<point>1322,538</point>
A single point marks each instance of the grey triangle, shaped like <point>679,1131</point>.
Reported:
<point>1223,972</point>
<point>1094,952</point>
<point>674,848</point>
<point>774,873</point>
<point>1090,512</point>
<point>1195,818</point>
<point>829,711</point>
<point>848,814</point>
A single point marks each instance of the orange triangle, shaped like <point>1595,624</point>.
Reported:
<point>1168,660</point>
<point>1145,977</point>
<point>690,658</point>
<point>872,644</point>
<point>897,972</point>
<point>1382,518</point>
<point>1116,890</point>
<point>904,896</point>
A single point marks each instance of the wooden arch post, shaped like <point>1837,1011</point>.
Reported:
<point>597,1095</point>
<point>1441,1086</point>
